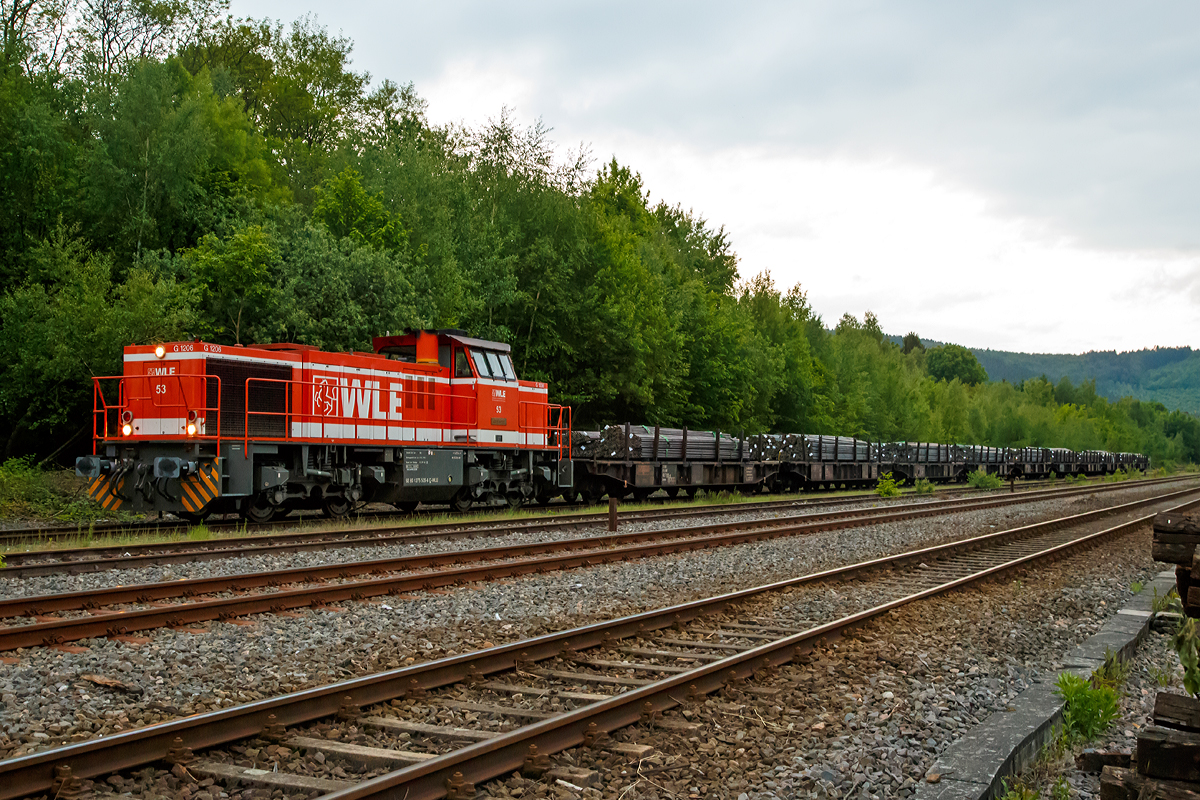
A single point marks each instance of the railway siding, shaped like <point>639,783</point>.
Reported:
<point>751,655</point>
<point>178,673</point>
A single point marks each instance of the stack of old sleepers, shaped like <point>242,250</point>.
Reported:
<point>1167,761</point>
<point>1175,538</point>
<point>1166,764</point>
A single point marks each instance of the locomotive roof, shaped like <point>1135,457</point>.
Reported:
<point>481,343</point>
<point>461,337</point>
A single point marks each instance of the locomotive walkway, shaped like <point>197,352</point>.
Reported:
<point>327,584</point>
<point>438,728</point>
<point>73,561</point>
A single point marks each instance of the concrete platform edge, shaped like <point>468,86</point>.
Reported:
<point>1005,743</point>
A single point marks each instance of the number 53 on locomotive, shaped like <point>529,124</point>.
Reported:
<point>430,416</point>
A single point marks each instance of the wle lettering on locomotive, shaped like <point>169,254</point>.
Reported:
<point>438,417</point>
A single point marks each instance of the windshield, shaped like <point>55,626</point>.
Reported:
<point>506,362</point>
<point>494,362</point>
<point>481,364</point>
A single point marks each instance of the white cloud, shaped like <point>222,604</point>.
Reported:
<point>1017,175</point>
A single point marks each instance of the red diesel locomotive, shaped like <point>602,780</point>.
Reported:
<point>430,416</point>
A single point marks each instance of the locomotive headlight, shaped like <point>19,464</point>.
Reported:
<point>160,351</point>
<point>191,429</point>
<point>127,429</point>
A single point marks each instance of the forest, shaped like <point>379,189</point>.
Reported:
<point>167,170</point>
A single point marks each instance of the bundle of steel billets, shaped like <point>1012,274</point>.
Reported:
<point>646,443</point>
<point>836,448</point>
<point>585,444</point>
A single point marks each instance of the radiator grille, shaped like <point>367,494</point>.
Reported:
<point>272,397</point>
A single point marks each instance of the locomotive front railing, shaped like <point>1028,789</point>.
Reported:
<point>122,412</point>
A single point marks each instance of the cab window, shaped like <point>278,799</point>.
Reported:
<point>481,364</point>
<point>506,363</point>
<point>462,364</point>
<point>494,363</point>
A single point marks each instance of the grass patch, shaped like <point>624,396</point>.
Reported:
<point>923,486</point>
<point>983,480</point>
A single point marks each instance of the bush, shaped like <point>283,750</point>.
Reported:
<point>982,480</point>
<point>1089,707</point>
<point>923,486</point>
<point>888,487</point>
<point>29,492</point>
<point>1187,645</point>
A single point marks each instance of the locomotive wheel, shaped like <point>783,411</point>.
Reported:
<point>515,501</point>
<point>193,519</point>
<point>462,502</point>
<point>335,506</point>
<point>259,512</point>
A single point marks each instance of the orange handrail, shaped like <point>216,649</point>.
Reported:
<point>101,408</point>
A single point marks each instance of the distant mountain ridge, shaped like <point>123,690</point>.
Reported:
<point>1168,375</point>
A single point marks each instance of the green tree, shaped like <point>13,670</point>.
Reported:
<point>953,362</point>
<point>235,280</point>
<point>913,342</point>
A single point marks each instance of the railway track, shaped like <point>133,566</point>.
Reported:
<point>97,559</point>
<point>440,728</point>
<point>125,610</point>
<point>23,536</point>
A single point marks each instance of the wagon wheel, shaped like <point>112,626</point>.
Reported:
<point>335,506</point>
<point>591,493</point>
<point>673,492</point>
<point>408,506</point>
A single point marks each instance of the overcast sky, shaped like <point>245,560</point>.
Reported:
<point>1019,176</point>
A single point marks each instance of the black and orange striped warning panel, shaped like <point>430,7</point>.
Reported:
<point>200,489</point>
<point>105,491</point>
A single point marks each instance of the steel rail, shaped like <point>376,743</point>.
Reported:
<point>85,560</point>
<point>220,548</point>
<point>38,772</point>
<point>525,560</point>
<point>779,526</point>
<point>46,533</point>
<point>462,768</point>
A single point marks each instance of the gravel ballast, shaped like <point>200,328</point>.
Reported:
<point>177,673</point>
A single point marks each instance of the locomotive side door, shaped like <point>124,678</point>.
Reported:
<point>464,412</point>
